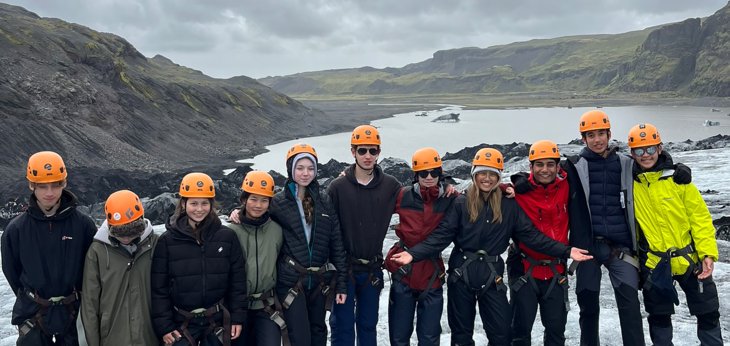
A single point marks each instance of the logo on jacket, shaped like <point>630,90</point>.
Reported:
<point>66,237</point>
<point>220,249</point>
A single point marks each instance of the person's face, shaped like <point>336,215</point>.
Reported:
<point>197,208</point>
<point>303,172</point>
<point>431,177</point>
<point>256,206</point>
<point>646,157</point>
<point>544,171</point>
<point>597,140</point>
<point>48,194</point>
<point>366,156</point>
<point>486,180</point>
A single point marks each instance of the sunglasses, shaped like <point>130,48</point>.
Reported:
<point>372,151</point>
<point>436,173</point>
<point>644,150</point>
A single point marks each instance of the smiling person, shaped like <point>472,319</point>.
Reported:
<point>418,286</point>
<point>43,253</point>
<point>536,279</point>
<point>312,270</point>
<point>677,241</point>
<point>364,198</point>
<point>116,301</point>
<point>261,239</point>
<point>198,272</point>
<point>480,224</point>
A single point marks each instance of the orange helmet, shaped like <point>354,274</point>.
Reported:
<point>197,185</point>
<point>123,207</point>
<point>258,183</point>
<point>426,158</point>
<point>544,149</point>
<point>46,167</point>
<point>489,157</point>
<point>594,120</point>
<point>644,135</point>
<point>301,148</point>
<point>365,135</point>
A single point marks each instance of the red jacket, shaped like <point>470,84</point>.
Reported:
<point>547,207</point>
<point>420,212</point>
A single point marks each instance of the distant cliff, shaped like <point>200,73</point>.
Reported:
<point>691,58</point>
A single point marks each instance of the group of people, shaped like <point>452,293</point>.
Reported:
<point>290,256</point>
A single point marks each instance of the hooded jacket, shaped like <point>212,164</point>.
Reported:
<point>45,255</point>
<point>326,240</point>
<point>547,208</point>
<point>261,242</point>
<point>602,199</point>
<point>115,306</point>
<point>364,211</point>
<point>420,210</point>
<point>188,275</point>
<point>672,215</point>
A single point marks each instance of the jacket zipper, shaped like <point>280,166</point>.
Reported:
<point>256,241</point>
<point>205,280</point>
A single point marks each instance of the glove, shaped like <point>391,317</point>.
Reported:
<point>682,174</point>
<point>521,182</point>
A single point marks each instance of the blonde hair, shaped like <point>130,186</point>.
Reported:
<point>475,200</point>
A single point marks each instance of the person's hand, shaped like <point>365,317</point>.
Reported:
<point>451,190</point>
<point>509,192</point>
<point>402,258</point>
<point>708,265</point>
<point>171,337</point>
<point>234,217</point>
<point>340,298</point>
<point>579,255</point>
<point>236,331</point>
<point>682,174</point>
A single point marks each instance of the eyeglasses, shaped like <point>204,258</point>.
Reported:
<point>436,172</point>
<point>644,150</point>
<point>372,151</point>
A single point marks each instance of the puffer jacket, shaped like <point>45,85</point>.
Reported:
<point>326,240</point>
<point>45,255</point>
<point>485,235</point>
<point>188,275</point>
<point>590,206</point>
<point>671,215</point>
<point>115,306</point>
<point>420,210</point>
<point>547,207</point>
<point>261,242</point>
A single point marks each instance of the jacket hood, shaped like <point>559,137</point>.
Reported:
<point>67,203</point>
<point>377,176</point>
<point>181,229</point>
<point>428,194</point>
<point>102,234</point>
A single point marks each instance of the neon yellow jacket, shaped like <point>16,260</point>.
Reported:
<point>673,215</point>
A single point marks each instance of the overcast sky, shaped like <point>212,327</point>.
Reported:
<point>258,38</point>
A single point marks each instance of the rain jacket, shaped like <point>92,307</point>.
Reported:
<point>672,215</point>
<point>261,241</point>
<point>45,255</point>
<point>115,306</point>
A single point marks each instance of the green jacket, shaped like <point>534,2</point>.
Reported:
<point>261,242</point>
<point>672,215</point>
<point>115,303</point>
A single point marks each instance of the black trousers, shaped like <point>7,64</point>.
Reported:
<point>259,330</point>
<point>493,309</point>
<point>305,318</point>
<point>553,312</point>
<point>36,337</point>
<point>403,304</point>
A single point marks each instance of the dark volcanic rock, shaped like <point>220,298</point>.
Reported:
<point>723,228</point>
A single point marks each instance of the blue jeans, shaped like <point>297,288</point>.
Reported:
<point>344,317</point>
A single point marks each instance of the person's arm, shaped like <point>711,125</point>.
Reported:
<point>526,232</point>
<point>11,258</point>
<point>701,227</point>
<point>237,295</point>
<point>162,308</point>
<point>440,238</point>
<point>338,257</point>
<point>90,298</point>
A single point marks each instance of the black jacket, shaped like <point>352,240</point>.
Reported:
<point>326,240</point>
<point>365,211</point>
<point>484,235</point>
<point>189,276</point>
<point>45,255</point>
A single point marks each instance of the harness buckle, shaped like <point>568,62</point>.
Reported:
<point>289,299</point>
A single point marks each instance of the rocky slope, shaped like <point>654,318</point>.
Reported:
<point>689,58</point>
